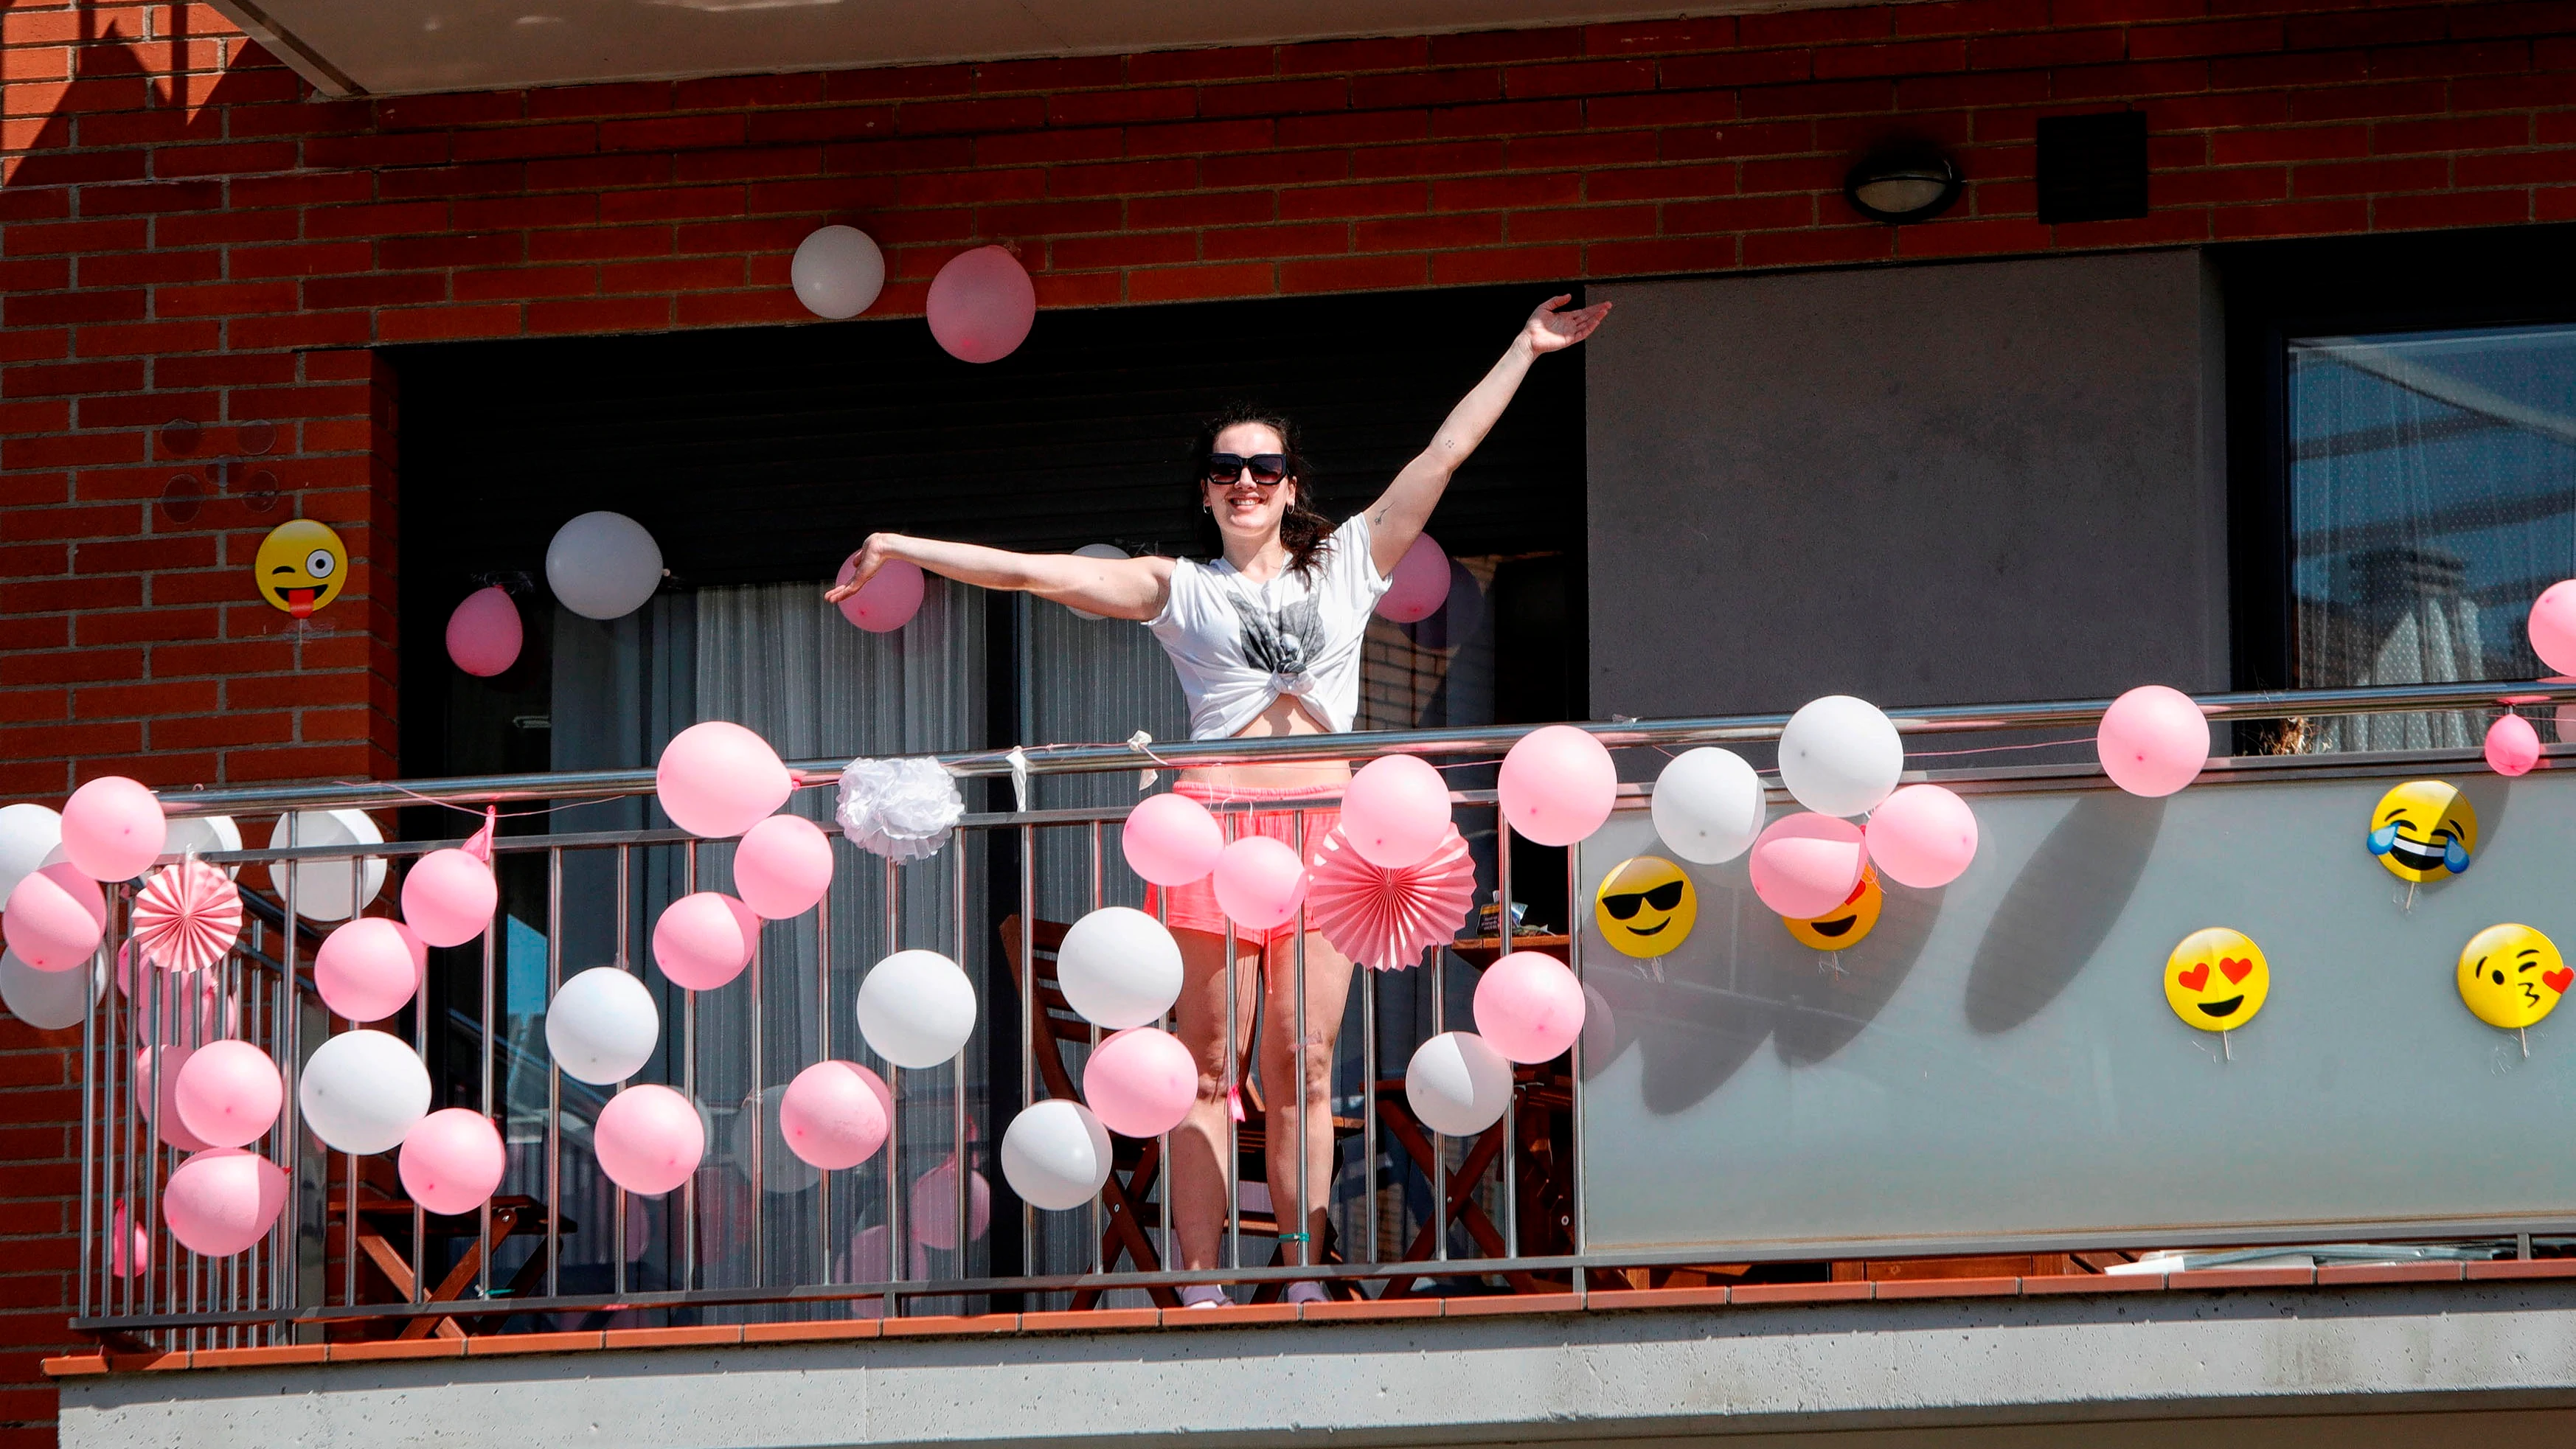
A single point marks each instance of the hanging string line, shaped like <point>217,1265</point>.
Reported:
<point>476,809</point>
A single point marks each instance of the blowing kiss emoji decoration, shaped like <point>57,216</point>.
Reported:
<point>2512,976</point>
<point>2216,979</point>
<point>300,567</point>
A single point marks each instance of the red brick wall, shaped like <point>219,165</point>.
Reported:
<point>185,233</point>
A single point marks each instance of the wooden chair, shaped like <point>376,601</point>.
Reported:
<point>1136,1181</point>
<point>384,1215</point>
<point>1543,1099</point>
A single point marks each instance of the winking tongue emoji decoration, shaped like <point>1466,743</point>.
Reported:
<point>300,567</point>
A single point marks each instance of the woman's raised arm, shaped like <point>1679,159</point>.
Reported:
<point>1399,515</point>
<point>1120,588</point>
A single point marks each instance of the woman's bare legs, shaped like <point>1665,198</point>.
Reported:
<point>1328,987</point>
<point>1202,1165</point>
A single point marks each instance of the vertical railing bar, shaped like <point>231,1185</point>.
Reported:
<point>1297,1051</point>
<point>1028,1022</point>
<point>624,929</point>
<point>125,1061</point>
<point>157,1283</point>
<point>193,1269</point>
<point>759,1125</point>
<point>898,1256</point>
<point>1506,935</point>
<point>420,1215</point>
<point>823,1053</point>
<point>1099,1251</point>
<point>957,1065</point>
<point>554,1076</point>
<point>91,1071</point>
<point>1368,1099</point>
<point>689,1089</point>
<point>1574,1111</point>
<point>290,1257</point>
<point>1226,1170</point>
<point>1439,1141</point>
<point>349,1234</point>
<point>276,1040</point>
<point>1165,1250</point>
<point>491,1108</point>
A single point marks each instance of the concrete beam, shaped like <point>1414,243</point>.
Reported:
<point>1858,1367</point>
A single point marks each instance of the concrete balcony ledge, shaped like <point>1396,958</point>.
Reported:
<point>2494,1346</point>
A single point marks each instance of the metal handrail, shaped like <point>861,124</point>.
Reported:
<point>608,785</point>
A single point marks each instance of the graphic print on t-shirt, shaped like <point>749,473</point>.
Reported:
<point>1282,642</point>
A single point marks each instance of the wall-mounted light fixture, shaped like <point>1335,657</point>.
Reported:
<point>1902,182</point>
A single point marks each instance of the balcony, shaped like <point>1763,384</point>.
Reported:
<point>1966,1169</point>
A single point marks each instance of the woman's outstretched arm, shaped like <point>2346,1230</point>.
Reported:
<point>1121,588</point>
<point>1399,515</point>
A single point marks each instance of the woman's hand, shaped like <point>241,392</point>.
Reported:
<point>872,556</point>
<point>1549,330</point>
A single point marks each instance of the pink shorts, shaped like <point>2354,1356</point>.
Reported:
<point>1193,907</point>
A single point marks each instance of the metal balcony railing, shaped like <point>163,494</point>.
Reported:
<point>752,1235</point>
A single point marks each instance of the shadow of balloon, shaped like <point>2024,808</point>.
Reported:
<point>2061,909</point>
<point>1826,999</point>
<point>2492,797</point>
<point>1686,1014</point>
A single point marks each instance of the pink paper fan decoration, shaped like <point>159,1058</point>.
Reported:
<point>1387,918</point>
<point>188,917</point>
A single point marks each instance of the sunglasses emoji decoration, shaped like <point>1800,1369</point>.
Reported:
<point>2424,830</point>
<point>1645,906</point>
<point>301,566</point>
<point>1847,924</point>
<point>2217,979</point>
<point>2511,976</point>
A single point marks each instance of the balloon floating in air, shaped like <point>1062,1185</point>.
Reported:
<point>484,634</point>
<point>603,565</point>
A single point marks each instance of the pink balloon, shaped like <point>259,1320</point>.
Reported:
<point>649,1140</point>
<point>1140,1082</point>
<point>718,780</point>
<point>222,1200</point>
<point>982,304</point>
<point>1171,840</point>
<point>2553,626</point>
<point>1420,584</point>
<point>704,940</point>
<point>1395,811</point>
<point>1259,882</point>
<point>55,918</point>
<point>366,969</point>
<point>1922,836</point>
<point>129,1245</point>
<point>448,898</point>
<point>1806,864</point>
<point>1529,1007</point>
<point>782,867</point>
<point>934,1206</point>
<point>157,1070</point>
<point>452,1161</point>
<point>2513,746</point>
<point>2153,740</point>
<point>891,598</point>
<point>1558,785</point>
<point>484,634</point>
<point>113,829</point>
<point>228,1093</point>
<point>835,1114</point>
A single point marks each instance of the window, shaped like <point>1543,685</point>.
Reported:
<point>2432,496</point>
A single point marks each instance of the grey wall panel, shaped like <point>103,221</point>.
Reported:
<point>1997,1059</point>
<point>1934,484</point>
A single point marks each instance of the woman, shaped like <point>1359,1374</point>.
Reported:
<point>1266,640</point>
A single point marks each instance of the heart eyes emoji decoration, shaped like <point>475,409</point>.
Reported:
<point>2216,979</point>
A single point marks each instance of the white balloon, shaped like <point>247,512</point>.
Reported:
<point>363,1091</point>
<point>28,833</point>
<point>838,271</point>
<point>916,1008</point>
<point>322,887</point>
<point>1119,967</point>
<point>1840,755</point>
<point>1708,805</point>
<point>204,833</point>
<point>1457,1085</point>
<point>602,1026</point>
<point>603,565</point>
<point>1095,550</point>
<point>50,1000</point>
<point>781,1170</point>
<point>1056,1155</point>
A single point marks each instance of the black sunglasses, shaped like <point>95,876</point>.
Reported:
<point>1663,898</point>
<point>1268,469</point>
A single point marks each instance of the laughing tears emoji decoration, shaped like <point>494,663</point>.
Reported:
<point>301,565</point>
<point>2216,979</point>
<point>2424,830</point>
<point>1847,924</point>
<point>2512,976</point>
<point>1645,906</point>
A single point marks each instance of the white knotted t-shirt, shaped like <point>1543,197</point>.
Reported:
<point>1238,645</point>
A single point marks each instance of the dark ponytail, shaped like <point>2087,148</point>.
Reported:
<point>1306,534</point>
